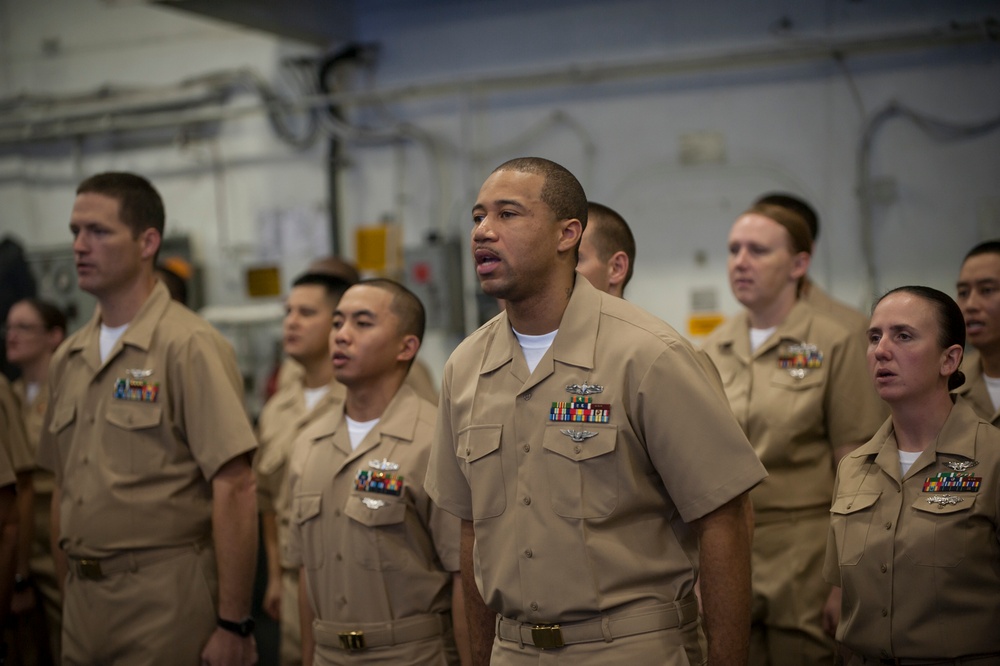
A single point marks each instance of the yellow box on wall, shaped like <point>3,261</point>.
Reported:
<point>263,281</point>
<point>379,249</point>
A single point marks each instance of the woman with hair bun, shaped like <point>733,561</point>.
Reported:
<point>916,513</point>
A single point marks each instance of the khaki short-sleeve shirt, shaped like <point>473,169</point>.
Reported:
<point>919,561</point>
<point>801,394</point>
<point>33,412</point>
<point>12,433</point>
<point>15,437</point>
<point>821,301</point>
<point>585,513</point>
<point>283,418</point>
<point>974,391</point>
<point>373,546</point>
<point>135,441</point>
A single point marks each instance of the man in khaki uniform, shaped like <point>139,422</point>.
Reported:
<point>419,378</point>
<point>308,314</point>
<point>797,382</point>
<point>607,250</point>
<point>378,558</point>
<point>154,507</point>
<point>591,460</point>
<point>809,291</point>
<point>979,298</point>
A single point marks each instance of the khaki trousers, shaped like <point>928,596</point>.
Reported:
<point>159,615</point>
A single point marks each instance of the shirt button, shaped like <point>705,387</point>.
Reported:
<point>338,557</point>
<point>527,447</point>
<point>533,606</point>
<point>577,448</point>
<point>888,525</point>
<point>468,451</point>
<point>527,501</point>
<point>883,568</point>
<point>527,396</point>
<point>885,613</point>
<point>336,513</point>
<point>343,601</point>
<point>79,501</point>
<point>527,552</point>
<point>91,419</point>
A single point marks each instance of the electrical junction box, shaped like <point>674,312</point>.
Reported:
<point>433,271</point>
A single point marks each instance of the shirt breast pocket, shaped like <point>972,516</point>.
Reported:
<point>479,450</point>
<point>851,517</point>
<point>582,469</point>
<point>306,514</point>
<point>378,528</point>
<point>786,380</point>
<point>938,532</point>
<point>134,444</point>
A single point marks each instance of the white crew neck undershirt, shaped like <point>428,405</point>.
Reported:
<point>110,336</point>
<point>993,387</point>
<point>535,346</point>
<point>358,430</point>
<point>906,460</point>
<point>31,391</point>
<point>759,335</point>
<point>314,395</point>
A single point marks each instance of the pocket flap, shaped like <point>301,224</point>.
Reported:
<point>375,511</point>
<point>305,507</point>
<point>580,441</point>
<point>944,502</point>
<point>478,441</point>
<point>845,504</point>
<point>62,416</point>
<point>784,379</point>
<point>134,416</point>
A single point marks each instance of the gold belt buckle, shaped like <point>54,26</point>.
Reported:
<point>90,569</point>
<point>352,640</point>
<point>547,636</point>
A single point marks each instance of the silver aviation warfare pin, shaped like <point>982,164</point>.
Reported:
<point>578,435</point>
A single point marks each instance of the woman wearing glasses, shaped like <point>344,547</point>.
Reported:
<point>33,330</point>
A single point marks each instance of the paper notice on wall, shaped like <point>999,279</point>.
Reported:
<point>301,232</point>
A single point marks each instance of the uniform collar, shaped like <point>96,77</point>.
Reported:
<point>953,440</point>
<point>139,332</point>
<point>972,368</point>
<point>794,328</point>
<point>574,344</point>
<point>397,421</point>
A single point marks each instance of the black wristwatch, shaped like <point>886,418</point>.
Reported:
<point>243,628</point>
